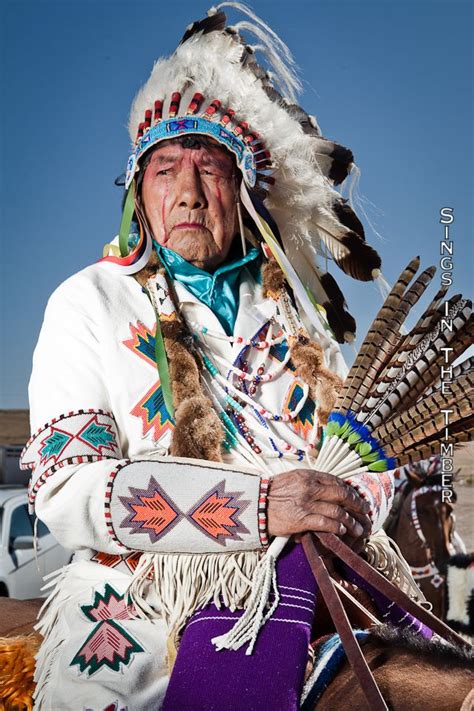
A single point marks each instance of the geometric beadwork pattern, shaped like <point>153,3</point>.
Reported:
<point>216,514</point>
<point>151,511</point>
<point>303,422</point>
<point>73,438</point>
<point>127,563</point>
<point>151,408</point>
<point>153,505</point>
<point>109,644</point>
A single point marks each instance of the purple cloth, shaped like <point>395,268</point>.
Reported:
<point>391,613</point>
<point>272,677</point>
<point>204,679</point>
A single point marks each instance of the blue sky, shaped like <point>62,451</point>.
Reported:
<point>391,80</point>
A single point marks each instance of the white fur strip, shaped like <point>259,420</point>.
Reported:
<point>460,587</point>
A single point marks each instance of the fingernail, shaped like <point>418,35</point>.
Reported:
<point>358,529</point>
<point>342,529</point>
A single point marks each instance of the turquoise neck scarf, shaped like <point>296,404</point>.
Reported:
<point>220,290</point>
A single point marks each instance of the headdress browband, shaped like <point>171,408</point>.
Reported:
<point>253,158</point>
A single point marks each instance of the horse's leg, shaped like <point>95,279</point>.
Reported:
<point>408,682</point>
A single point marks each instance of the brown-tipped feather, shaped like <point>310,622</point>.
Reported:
<point>340,320</point>
<point>350,252</point>
<point>389,339</point>
<point>462,409</point>
<point>432,447</point>
<point>369,347</point>
<point>212,23</point>
<point>409,365</point>
<point>348,218</point>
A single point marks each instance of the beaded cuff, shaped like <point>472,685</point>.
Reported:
<point>378,490</point>
<point>183,506</point>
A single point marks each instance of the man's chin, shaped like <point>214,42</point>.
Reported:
<point>203,257</point>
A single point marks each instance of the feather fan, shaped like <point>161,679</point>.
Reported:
<point>392,405</point>
<point>376,422</point>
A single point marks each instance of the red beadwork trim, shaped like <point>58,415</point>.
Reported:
<point>240,128</point>
<point>212,108</point>
<point>147,119</point>
<point>70,460</point>
<point>141,128</point>
<point>108,496</point>
<point>228,116</point>
<point>262,512</point>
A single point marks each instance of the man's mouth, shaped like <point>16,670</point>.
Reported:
<point>189,226</point>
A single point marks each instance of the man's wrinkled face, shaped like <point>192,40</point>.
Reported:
<point>189,198</point>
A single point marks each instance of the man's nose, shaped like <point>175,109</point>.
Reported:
<point>191,193</point>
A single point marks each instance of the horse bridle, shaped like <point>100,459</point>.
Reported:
<point>430,569</point>
<point>317,546</point>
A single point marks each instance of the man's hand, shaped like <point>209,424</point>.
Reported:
<point>307,500</point>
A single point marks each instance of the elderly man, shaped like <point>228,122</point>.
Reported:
<point>177,399</point>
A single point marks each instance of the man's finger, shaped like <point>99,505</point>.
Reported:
<point>354,528</point>
<point>345,496</point>
<point>324,524</point>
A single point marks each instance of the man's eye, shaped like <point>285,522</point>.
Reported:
<point>163,172</point>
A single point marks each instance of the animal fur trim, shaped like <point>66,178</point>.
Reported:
<point>324,385</point>
<point>17,666</point>
<point>273,280</point>
<point>198,432</point>
<point>306,355</point>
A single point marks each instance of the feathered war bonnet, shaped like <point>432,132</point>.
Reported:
<point>212,85</point>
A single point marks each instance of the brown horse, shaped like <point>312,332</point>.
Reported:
<point>423,526</point>
<point>412,674</point>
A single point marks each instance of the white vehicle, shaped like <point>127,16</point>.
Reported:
<point>21,572</point>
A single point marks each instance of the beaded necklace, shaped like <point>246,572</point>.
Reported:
<point>246,419</point>
<point>253,342</point>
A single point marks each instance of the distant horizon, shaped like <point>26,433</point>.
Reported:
<point>390,80</point>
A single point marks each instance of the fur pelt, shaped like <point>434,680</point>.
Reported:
<point>324,385</point>
<point>307,356</point>
<point>273,280</point>
<point>198,431</point>
<point>403,637</point>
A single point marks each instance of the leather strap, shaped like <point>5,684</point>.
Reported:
<point>349,641</point>
<point>336,547</point>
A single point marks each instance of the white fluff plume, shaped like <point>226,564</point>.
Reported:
<point>211,64</point>
<point>260,84</point>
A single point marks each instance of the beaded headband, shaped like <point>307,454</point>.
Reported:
<point>253,159</point>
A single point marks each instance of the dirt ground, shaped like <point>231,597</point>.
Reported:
<point>464,459</point>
